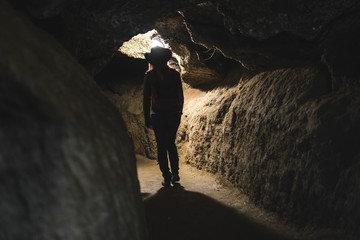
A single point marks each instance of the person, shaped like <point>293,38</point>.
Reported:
<point>163,102</point>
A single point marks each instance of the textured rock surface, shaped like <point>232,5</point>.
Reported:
<point>277,51</point>
<point>199,66</point>
<point>93,30</point>
<point>284,138</point>
<point>266,18</point>
<point>121,81</point>
<point>287,134</point>
<point>67,168</point>
<point>342,51</point>
<point>262,34</point>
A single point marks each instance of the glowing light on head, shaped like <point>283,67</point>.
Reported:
<point>156,42</point>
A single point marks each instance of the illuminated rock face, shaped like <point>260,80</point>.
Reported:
<point>199,66</point>
<point>66,162</point>
<point>286,139</point>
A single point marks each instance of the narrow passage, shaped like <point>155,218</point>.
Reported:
<point>200,207</point>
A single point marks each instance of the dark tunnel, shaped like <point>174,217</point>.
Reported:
<point>271,114</point>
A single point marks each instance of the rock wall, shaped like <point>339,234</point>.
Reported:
<point>286,139</point>
<point>121,82</point>
<point>285,134</point>
<point>93,30</point>
<point>67,165</point>
<point>260,34</point>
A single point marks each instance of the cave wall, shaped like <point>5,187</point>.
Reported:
<point>288,136</point>
<point>92,30</point>
<point>67,165</point>
<point>283,137</point>
<point>121,82</point>
<point>284,130</point>
<point>261,35</point>
<point>286,140</point>
<point>282,126</point>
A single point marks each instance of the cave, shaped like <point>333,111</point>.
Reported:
<point>272,109</point>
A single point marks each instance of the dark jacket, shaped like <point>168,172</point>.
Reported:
<point>163,93</point>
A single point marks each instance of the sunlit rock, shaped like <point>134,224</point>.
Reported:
<point>140,44</point>
<point>194,66</point>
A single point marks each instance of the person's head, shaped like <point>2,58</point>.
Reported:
<point>158,57</point>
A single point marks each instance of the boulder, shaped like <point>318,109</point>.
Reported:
<point>67,163</point>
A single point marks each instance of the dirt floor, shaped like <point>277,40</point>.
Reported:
<point>202,207</point>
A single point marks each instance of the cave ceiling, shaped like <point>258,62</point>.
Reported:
<point>260,35</point>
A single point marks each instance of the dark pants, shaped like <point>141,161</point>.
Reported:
<point>165,127</point>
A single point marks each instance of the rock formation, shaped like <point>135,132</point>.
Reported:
<point>272,91</point>
<point>67,163</point>
<point>286,140</point>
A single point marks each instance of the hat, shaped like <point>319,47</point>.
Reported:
<point>158,56</point>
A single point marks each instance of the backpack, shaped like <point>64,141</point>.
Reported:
<point>165,92</point>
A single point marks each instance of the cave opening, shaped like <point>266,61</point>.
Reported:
<point>202,70</point>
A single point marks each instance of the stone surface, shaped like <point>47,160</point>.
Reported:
<point>262,34</point>
<point>286,140</point>
<point>93,30</point>
<point>41,9</point>
<point>277,51</point>
<point>121,81</point>
<point>266,18</point>
<point>199,66</point>
<point>232,215</point>
<point>285,132</point>
<point>341,51</point>
<point>67,164</point>
<point>284,137</point>
<point>138,45</point>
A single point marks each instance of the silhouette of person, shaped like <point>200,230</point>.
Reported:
<point>163,102</point>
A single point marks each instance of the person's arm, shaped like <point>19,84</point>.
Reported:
<point>146,100</point>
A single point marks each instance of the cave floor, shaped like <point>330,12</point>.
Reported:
<point>202,207</point>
